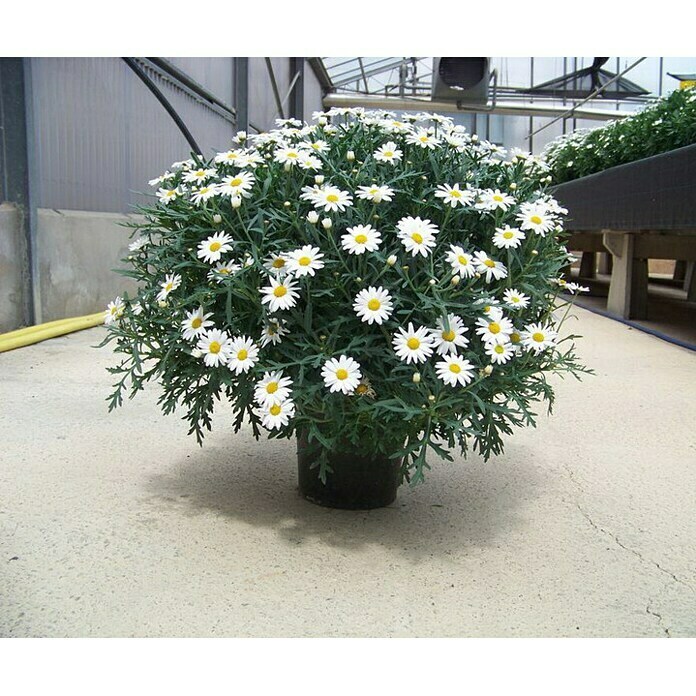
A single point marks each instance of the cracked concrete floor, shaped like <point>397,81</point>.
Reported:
<point>119,525</point>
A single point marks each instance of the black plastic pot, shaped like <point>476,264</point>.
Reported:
<point>357,482</point>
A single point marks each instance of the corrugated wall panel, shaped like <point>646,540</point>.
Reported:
<point>101,135</point>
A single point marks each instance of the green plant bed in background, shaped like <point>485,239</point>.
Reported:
<point>668,124</point>
<point>384,288</point>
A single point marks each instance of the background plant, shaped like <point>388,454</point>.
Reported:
<point>665,125</point>
<point>305,187</point>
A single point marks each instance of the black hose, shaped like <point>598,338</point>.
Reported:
<point>133,65</point>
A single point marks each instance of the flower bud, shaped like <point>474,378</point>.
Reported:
<point>431,398</point>
<point>326,223</point>
<point>391,260</point>
<point>313,217</point>
<point>535,252</point>
<point>197,353</point>
<point>322,121</point>
<point>416,377</point>
<point>319,179</point>
<point>162,303</point>
<point>350,155</point>
<point>287,166</point>
<point>455,280</point>
<point>235,201</point>
<point>488,370</point>
<point>286,204</point>
<point>432,281</point>
<point>217,219</point>
<point>513,186</point>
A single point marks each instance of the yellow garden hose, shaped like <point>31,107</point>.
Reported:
<point>41,332</point>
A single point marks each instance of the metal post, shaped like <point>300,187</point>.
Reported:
<point>241,92</point>
<point>17,157</point>
<point>297,93</point>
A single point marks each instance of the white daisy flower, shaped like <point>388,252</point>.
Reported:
<point>575,288</point>
<point>273,332</point>
<point>447,339</point>
<point>203,194</point>
<point>461,262</point>
<point>276,414</point>
<point>537,337</point>
<point>229,157</point>
<point>237,185</point>
<point>280,295</point>
<point>138,244</point>
<point>515,299</point>
<point>492,269</point>
<point>499,353</point>
<point>214,346</point>
<point>331,198</point>
<point>211,249</point>
<point>244,354</point>
<point>319,146</point>
<point>276,264</point>
<point>423,137</point>
<point>536,219</point>
<point>342,374</point>
<point>223,271</point>
<point>361,238</point>
<point>391,126</point>
<point>170,282</point>
<point>494,199</point>
<point>249,158</point>
<point>273,387</point>
<point>494,328</point>
<point>453,195</point>
<point>304,261</point>
<point>413,345</point>
<point>137,309</point>
<point>417,236</point>
<point>454,371</point>
<point>373,305</point>
<point>388,152</point>
<point>198,176</point>
<point>168,195</point>
<point>160,179</point>
<point>287,155</point>
<point>196,324</point>
<point>508,237</point>
<point>114,311</point>
<point>375,193</point>
<point>310,162</point>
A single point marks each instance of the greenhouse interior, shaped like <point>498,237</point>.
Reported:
<point>271,329</point>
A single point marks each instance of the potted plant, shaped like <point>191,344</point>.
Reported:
<point>380,289</point>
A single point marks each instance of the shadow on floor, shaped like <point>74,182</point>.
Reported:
<point>465,504</point>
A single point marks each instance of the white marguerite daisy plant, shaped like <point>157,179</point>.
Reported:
<point>367,282</point>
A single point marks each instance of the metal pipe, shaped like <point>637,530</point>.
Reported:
<point>274,86</point>
<point>165,103</point>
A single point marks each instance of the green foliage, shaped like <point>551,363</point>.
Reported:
<point>666,125</point>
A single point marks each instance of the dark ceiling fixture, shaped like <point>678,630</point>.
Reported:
<point>581,83</point>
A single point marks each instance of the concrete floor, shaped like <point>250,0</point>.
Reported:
<point>120,525</point>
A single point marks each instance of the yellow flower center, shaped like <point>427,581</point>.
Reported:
<point>413,343</point>
<point>205,189</point>
<point>499,349</point>
<point>305,261</point>
<point>494,328</point>
<point>169,287</point>
<point>455,368</point>
<point>232,155</point>
<point>535,219</point>
<point>448,335</point>
<point>236,182</point>
<point>280,291</point>
<point>423,138</point>
<point>374,304</point>
<point>341,373</point>
<point>497,198</point>
<point>332,198</point>
<point>417,238</point>
<point>360,238</point>
<point>242,354</point>
<point>214,347</point>
<point>463,260</point>
<point>278,263</point>
<point>388,153</point>
<point>275,409</point>
<point>538,337</point>
<point>455,194</point>
<point>272,387</point>
<point>196,323</point>
<point>292,155</point>
<point>515,337</point>
<point>514,299</point>
<point>361,389</point>
<point>508,235</point>
<point>171,193</point>
<point>215,246</point>
<point>490,263</point>
<point>224,271</point>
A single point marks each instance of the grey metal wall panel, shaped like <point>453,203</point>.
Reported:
<point>215,74</point>
<point>262,106</point>
<point>101,134</point>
